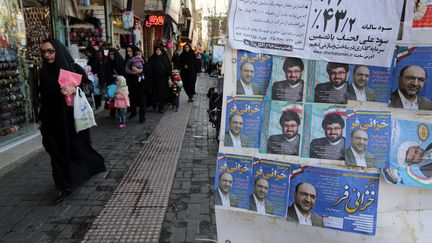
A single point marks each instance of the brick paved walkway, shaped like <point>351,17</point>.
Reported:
<point>26,192</point>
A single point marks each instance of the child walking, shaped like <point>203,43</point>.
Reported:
<point>121,101</point>
<point>175,85</point>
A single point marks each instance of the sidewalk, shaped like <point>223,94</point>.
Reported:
<point>26,192</point>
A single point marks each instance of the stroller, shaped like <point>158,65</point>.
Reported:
<point>215,95</point>
<point>109,97</point>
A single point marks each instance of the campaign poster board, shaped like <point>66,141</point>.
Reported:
<point>288,79</point>
<point>416,22</point>
<point>276,176</point>
<point>248,112</point>
<point>283,138</point>
<point>258,67</point>
<point>338,31</point>
<point>240,168</point>
<point>316,144</point>
<point>410,154</point>
<point>368,132</point>
<point>344,200</point>
<point>417,60</point>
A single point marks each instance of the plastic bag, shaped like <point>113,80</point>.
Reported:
<point>83,112</point>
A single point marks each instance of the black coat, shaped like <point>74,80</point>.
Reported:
<point>159,73</point>
<point>73,160</point>
<point>188,71</point>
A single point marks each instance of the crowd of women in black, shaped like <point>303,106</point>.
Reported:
<point>73,159</point>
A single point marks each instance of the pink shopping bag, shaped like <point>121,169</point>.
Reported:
<point>68,78</point>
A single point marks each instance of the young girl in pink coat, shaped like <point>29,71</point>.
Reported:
<point>121,101</point>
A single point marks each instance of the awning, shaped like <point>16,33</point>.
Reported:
<point>69,8</point>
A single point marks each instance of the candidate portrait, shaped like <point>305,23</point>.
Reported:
<point>332,146</point>
<point>358,89</point>
<point>355,154</point>
<point>223,195</point>
<point>233,137</point>
<point>258,201</point>
<point>333,91</point>
<point>290,89</point>
<point>288,142</point>
<point>305,197</point>
<point>411,82</point>
<point>245,85</point>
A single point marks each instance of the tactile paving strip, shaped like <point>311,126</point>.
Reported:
<point>135,212</point>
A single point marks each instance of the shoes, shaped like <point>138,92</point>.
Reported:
<point>122,126</point>
<point>190,100</point>
<point>62,196</point>
<point>142,120</point>
<point>176,108</point>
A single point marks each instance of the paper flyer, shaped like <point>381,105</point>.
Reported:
<point>253,73</point>
<point>233,174</point>
<point>324,132</point>
<point>284,129</point>
<point>368,139</point>
<point>243,121</point>
<point>410,154</point>
<point>269,187</point>
<point>411,85</point>
<point>288,78</point>
<point>337,199</point>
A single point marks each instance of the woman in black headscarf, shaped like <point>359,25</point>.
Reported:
<point>138,89</point>
<point>159,73</point>
<point>188,70</point>
<point>115,66</point>
<point>73,160</point>
<point>96,69</point>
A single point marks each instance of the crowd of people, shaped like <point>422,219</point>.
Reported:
<point>135,84</point>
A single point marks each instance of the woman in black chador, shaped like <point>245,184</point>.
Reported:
<point>115,66</point>
<point>188,70</point>
<point>159,73</point>
<point>73,160</point>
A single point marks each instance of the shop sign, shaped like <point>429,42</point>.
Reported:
<point>154,20</point>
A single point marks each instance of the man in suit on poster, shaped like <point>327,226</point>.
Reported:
<point>258,201</point>
<point>333,91</point>
<point>233,137</point>
<point>332,146</point>
<point>356,154</point>
<point>411,81</point>
<point>290,89</point>
<point>357,90</point>
<point>289,141</point>
<point>300,211</point>
<point>223,195</point>
<point>245,85</point>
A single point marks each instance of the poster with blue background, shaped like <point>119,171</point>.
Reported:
<point>240,168</point>
<point>276,174</point>
<point>422,58</point>
<point>316,142</point>
<point>243,116</point>
<point>368,137</point>
<point>342,200</point>
<point>410,154</point>
<point>256,68</point>
<point>374,81</point>
<point>284,128</point>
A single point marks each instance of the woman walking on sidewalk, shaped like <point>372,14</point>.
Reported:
<point>159,73</point>
<point>73,160</point>
<point>188,70</point>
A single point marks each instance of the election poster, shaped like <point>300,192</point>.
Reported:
<point>233,174</point>
<point>369,83</point>
<point>243,121</point>
<point>288,78</point>
<point>253,73</point>
<point>283,130</point>
<point>410,154</point>
<point>416,22</point>
<point>368,139</point>
<point>323,132</point>
<point>412,83</point>
<point>327,82</point>
<point>336,199</point>
<point>345,31</point>
<point>269,187</point>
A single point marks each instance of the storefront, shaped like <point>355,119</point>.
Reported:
<point>22,29</point>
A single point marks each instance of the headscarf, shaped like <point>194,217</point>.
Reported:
<point>134,49</point>
<point>94,61</point>
<point>188,58</point>
<point>118,63</point>
<point>49,71</point>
